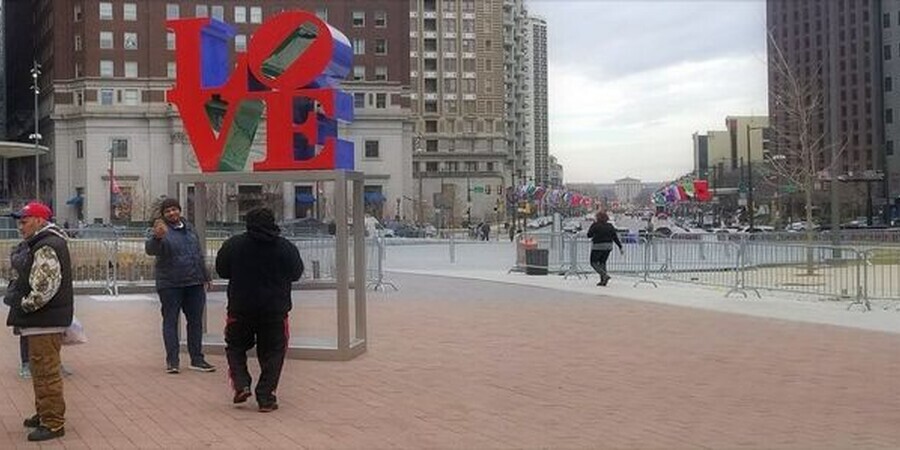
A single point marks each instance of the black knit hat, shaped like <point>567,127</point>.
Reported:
<point>261,218</point>
<point>168,203</point>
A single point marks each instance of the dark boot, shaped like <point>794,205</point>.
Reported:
<point>42,433</point>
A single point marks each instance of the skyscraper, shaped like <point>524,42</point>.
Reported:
<point>836,46</point>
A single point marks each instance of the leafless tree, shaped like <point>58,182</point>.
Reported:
<point>798,104</point>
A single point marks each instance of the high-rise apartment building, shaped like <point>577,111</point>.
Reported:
<point>108,64</point>
<point>539,113</point>
<point>836,46</point>
<point>457,87</point>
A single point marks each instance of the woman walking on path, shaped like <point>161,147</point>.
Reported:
<point>603,235</point>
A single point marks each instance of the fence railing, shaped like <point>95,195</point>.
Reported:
<point>855,273</point>
<point>114,261</point>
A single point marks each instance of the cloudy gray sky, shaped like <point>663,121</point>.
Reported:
<point>631,80</point>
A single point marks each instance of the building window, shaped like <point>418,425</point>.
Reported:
<point>201,11</point>
<point>106,40</point>
<point>380,101</point>
<point>359,19</point>
<point>240,43</point>
<point>468,45</point>
<point>129,11</point>
<point>106,11</point>
<point>170,41</point>
<point>359,46</point>
<point>131,69</point>
<point>170,69</point>
<point>381,73</point>
<point>887,52</point>
<point>131,97</point>
<point>76,14</point>
<point>119,148</point>
<point>130,41</point>
<point>106,96</point>
<point>381,46</point>
<point>889,115</point>
<point>218,12</point>
<point>431,126</point>
<point>78,44</point>
<point>322,13</point>
<point>469,65</point>
<point>886,20</point>
<point>359,100</point>
<point>888,84</point>
<point>79,70</point>
<point>372,149</point>
<point>490,168</point>
<point>79,149</point>
<point>240,14</point>
<point>255,14</point>
<point>380,19</point>
<point>889,148</point>
<point>431,145</point>
<point>431,166</point>
<point>359,73</point>
<point>107,69</point>
<point>431,106</point>
<point>173,11</point>
<point>468,25</point>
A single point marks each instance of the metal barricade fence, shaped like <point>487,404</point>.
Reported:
<point>839,272</point>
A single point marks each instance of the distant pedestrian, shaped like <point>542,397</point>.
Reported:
<point>41,301</point>
<point>181,276</point>
<point>512,233</point>
<point>486,231</point>
<point>603,235</point>
<point>260,266</point>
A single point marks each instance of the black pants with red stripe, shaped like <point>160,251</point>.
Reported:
<point>270,336</point>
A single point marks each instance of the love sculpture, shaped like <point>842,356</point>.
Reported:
<point>292,69</point>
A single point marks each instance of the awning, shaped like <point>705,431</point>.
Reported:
<point>374,197</point>
<point>75,201</point>
<point>304,198</point>
<point>20,149</point>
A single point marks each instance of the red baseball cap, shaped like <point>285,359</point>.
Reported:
<point>34,209</point>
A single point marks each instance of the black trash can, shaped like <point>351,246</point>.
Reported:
<point>536,261</point>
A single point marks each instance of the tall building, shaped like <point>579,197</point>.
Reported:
<point>890,63</point>
<point>108,64</point>
<point>518,99</point>
<point>836,47</point>
<point>539,115</point>
<point>456,82</point>
<point>556,172</point>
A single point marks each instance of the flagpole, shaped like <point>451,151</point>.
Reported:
<point>111,189</point>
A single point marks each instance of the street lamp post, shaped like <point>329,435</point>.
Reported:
<point>750,208</point>
<point>36,136</point>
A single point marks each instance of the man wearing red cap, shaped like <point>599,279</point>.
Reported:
<point>41,306</point>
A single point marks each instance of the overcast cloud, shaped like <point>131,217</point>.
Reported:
<point>631,81</point>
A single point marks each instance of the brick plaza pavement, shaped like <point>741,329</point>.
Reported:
<point>458,363</point>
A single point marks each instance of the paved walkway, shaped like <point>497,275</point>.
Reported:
<point>475,364</point>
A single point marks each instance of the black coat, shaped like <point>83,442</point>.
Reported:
<point>59,310</point>
<point>260,267</point>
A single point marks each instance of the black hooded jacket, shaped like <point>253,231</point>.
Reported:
<point>260,266</point>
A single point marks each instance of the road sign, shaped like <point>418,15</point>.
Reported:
<point>478,189</point>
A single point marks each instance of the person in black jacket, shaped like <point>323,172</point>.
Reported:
<point>260,267</point>
<point>602,235</point>
<point>41,305</point>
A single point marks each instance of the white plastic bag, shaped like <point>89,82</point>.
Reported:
<point>74,334</point>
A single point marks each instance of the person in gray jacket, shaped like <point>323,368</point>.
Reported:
<point>181,281</point>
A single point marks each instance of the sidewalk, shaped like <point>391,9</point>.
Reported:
<point>456,363</point>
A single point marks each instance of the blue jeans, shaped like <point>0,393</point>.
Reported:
<point>191,300</point>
